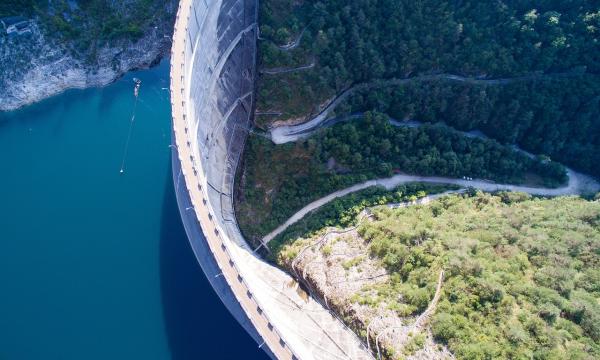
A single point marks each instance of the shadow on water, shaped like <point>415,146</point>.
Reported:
<point>108,96</point>
<point>198,325</point>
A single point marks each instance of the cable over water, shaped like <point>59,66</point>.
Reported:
<point>136,91</point>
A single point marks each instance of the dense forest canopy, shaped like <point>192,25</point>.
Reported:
<point>16,7</point>
<point>363,39</point>
<point>374,143</point>
<point>556,117</point>
<point>522,274</point>
<point>556,112</point>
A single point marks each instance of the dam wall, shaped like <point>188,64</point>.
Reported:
<point>213,66</point>
<point>219,69</point>
<point>205,258</point>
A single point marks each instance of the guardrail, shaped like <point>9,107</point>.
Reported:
<point>193,179</point>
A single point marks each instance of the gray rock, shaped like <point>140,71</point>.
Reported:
<point>36,66</point>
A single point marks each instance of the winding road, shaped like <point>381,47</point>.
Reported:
<point>289,133</point>
<point>578,184</point>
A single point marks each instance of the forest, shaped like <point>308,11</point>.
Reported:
<point>360,40</point>
<point>278,180</point>
<point>556,117</point>
<point>522,274</point>
<point>554,43</point>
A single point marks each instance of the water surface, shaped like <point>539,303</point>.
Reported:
<point>95,264</point>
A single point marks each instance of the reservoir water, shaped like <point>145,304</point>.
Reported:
<point>95,264</point>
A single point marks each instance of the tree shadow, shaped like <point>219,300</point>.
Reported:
<point>197,323</point>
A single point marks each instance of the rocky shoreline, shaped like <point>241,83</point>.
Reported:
<point>35,67</point>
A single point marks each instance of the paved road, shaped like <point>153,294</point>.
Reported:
<point>578,184</point>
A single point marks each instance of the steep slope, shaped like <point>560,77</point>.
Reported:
<point>534,78</point>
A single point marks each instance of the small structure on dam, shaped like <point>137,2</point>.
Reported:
<point>212,94</point>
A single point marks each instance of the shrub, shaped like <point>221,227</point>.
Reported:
<point>445,327</point>
<point>549,312</point>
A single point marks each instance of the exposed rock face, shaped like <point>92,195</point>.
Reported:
<point>338,268</point>
<point>36,66</point>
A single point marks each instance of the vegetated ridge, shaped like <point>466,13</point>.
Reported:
<point>520,277</point>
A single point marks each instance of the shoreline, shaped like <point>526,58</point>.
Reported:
<point>103,82</point>
<point>54,69</point>
<point>84,80</point>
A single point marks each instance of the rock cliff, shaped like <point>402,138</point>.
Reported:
<point>42,64</point>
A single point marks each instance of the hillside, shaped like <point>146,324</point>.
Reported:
<point>277,180</point>
<point>503,92</point>
<point>518,277</point>
<point>538,75</point>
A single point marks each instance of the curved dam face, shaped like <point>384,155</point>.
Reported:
<point>213,66</point>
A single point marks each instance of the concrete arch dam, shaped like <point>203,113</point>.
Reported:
<point>213,66</point>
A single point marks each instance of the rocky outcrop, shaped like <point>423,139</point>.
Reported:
<point>36,66</point>
<point>338,269</point>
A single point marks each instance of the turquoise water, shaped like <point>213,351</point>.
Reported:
<point>94,264</point>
